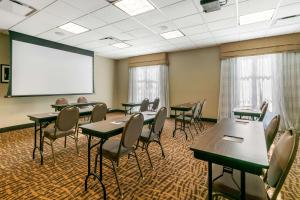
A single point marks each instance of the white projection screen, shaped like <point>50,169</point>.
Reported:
<point>49,68</point>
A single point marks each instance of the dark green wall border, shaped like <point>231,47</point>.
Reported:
<point>45,43</point>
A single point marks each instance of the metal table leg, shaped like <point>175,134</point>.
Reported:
<point>243,185</point>
<point>41,144</point>
<point>174,131</point>
<point>89,166</point>
<point>210,181</point>
<point>34,143</point>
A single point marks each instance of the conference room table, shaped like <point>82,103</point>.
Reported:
<point>182,108</point>
<point>41,121</point>
<point>246,111</point>
<point>236,144</point>
<point>130,105</point>
<point>59,107</point>
<point>104,130</point>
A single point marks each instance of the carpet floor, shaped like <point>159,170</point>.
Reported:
<point>178,176</point>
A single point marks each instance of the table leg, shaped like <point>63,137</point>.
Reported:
<point>101,158</point>
<point>125,110</point>
<point>174,131</point>
<point>243,185</point>
<point>34,143</point>
<point>210,181</point>
<point>89,162</point>
<point>183,115</point>
<point>41,144</point>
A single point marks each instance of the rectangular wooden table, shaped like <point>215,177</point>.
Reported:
<point>59,107</point>
<point>41,121</point>
<point>248,112</point>
<point>130,105</point>
<point>183,108</point>
<point>237,144</point>
<point>104,130</point>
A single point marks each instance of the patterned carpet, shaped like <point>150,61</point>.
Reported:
<point>178,176</point>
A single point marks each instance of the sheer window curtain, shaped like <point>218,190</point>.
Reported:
<point>247,81</point>
<point>149,82</point>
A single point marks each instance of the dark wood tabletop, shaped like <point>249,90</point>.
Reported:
<point>183,107</point>
<point>132,104</point>
<point>234,143</point>
<point>60,106</point>
<point>108,128</point>
<point>247,112</point>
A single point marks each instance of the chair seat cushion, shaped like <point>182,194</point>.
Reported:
<point>255,187</point>
<point>110,149</point>
<point>50,133</point>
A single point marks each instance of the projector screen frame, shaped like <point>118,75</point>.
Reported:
<point>50,44</point>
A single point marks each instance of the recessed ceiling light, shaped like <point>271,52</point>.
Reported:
<point>121,45</point>
<point>134,7</point>
<point>172,34</point>
<point>256,17</point>
<point>73,28</point>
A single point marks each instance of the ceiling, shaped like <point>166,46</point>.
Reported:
<point>142,31</point>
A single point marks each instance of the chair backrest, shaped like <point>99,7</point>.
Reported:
<point>201,108</point>
<point>272,130</point>
<point>144,105</point>
<point>159,120</point>
<point>281,160</point>
<point>262,105</point>
<point>61,101</point>
<point>67,119</point>
<point>155,104</point>
<point>196,110</point>
<point>82,100</point>
<point>263,112</point>
<point>132,130</point>
<point>99,112</point>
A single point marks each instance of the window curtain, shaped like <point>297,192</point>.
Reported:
<point>247,81</point>
<point>149,82</point>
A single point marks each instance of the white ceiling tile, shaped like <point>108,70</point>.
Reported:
<point>226,39</point>
<point>200,36</point>
<point>37,4</point>
<point>222,24</point>
<point>163,3</point>
<point>194,30</point>
<point>39,23</point>
<point>164,27</point>
<point>138,33</point>
<point>253,6</point>
<point>287,2</point>
<point>89,21</point>
<point>180,40</point>
<point>198,5</point>
<point>63,10</point>
<point>204,43</point>
<point>95,44</point>
<point>289,10</point>
<point>108,30</point>
<point>283,30</point>
<point>252,35</point>
<point>191,20</point>
<point>285,22</point>
<point>127,25</point>
<point>110,14</point>
<point>180,9</point>
<point>87,6</point>
<point>83,38</point>
<point>122,36</point>
<point>152,17</point>
<point>224,32</point>
<point>254,27</point>
<point>8,19</point>
<point>225,12</point>
<point>55,34</point>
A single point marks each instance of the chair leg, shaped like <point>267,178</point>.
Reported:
<point>117,179</point>
<point>161,147</point>
<point>194,123</point>
<point>76,143</point>
<point>65,141</point>
<point>137,161</point>
<point>52,149</point>
<point>147,152</point>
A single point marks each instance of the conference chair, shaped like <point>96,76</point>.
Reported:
<point>113,150</point>
<point>189,121</point>
<point>144,105</point>
<point>257,188</point>
<point>272,130</point>
<point>65,126</point>
<point>198,119</point>
<point>262,105</point>
<point>61,101</point>
<point>154,134</point>
<point>263,112</point>
<point>155,104</point>
<point>82,100</point>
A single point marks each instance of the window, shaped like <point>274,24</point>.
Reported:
<point>149,82</point>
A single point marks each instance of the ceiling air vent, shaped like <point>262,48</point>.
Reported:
<point>287,20</point>
<point>16,7</point>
